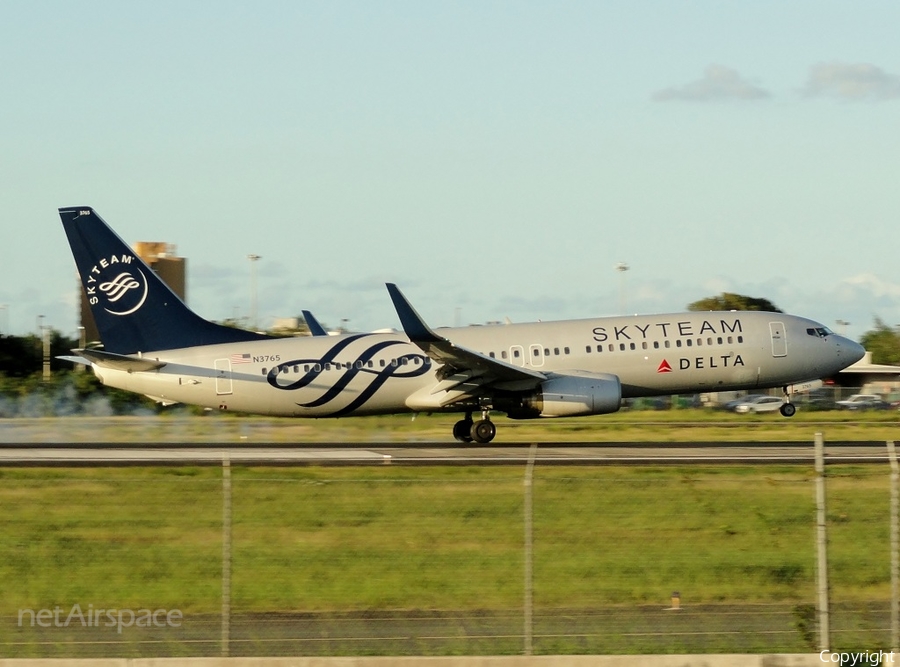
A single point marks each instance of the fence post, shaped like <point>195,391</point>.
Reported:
<point>529,550</point>
<point>895,547</point>
<point>226,555</point>
<point>821,546</point>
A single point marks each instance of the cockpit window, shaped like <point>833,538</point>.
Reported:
<point>819,332</point>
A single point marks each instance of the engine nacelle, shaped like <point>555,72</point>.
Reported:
<point>574,394</point>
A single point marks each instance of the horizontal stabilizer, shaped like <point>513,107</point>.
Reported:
<point>75,360</point>
<point>119,362</point>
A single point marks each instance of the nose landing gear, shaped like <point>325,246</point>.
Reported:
<point>787,408</point>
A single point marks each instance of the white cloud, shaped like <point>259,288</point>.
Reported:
<point>870,284</point>
<point>718,83</point>
<point>851,81</point>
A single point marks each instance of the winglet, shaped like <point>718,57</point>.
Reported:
<point>315,328</point>
<point>412,322</point>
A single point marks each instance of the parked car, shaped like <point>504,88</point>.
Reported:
<point>731,405</point>
<point>863,402</point>
<point>759,404</point>
<point>820,399</point>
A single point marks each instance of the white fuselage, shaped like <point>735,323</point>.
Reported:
<point>328,376</point>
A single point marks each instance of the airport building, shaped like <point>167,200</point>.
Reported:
<point>871,378</point>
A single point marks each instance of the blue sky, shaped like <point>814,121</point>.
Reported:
<point>493,159</point>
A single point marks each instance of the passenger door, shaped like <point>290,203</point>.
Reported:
<point>779,339</point>
<point>223,377</point>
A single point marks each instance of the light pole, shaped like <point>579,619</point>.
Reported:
<point>622,267</point>
<point>842,326</point>
<point>46,336</point>
<point>44,344</point>
<point>253,295</point>
<point>82,343</point>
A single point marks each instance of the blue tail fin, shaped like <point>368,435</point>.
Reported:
<point>134,309</point>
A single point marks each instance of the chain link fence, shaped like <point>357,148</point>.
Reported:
<point>386,560</point>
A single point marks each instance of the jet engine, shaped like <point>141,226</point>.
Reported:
<point>572,394</point>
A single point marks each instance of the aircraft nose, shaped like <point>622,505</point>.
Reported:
<point>851,350</point>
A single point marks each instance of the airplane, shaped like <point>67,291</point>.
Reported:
<point>153,344</point>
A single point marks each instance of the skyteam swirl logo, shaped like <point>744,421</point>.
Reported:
<point>404,366</point>
<point>127,292</point>
<point>118,287</point>
<point>121,289</point>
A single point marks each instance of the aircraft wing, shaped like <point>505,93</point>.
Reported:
<point>122,362</point>
<point>462,367</point>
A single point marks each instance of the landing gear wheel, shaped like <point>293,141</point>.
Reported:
<point>462,430</point>
<point>483,431</point>
<point>788,410</point>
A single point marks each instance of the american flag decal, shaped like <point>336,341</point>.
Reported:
<point>240,358</point>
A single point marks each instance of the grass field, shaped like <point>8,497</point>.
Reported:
<point>609,542</point>
<point>393,560</point>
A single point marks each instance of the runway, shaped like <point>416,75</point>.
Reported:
<point>439,453</point>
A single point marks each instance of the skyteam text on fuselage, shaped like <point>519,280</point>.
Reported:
<point>155,345</point>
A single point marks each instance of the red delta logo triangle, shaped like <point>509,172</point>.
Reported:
<point>664,367</point>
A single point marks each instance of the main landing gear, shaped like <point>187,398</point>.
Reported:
<point>481,431</point>
<point>787,408</point>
